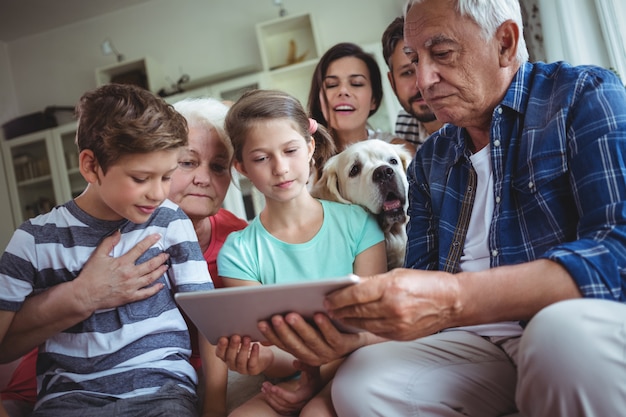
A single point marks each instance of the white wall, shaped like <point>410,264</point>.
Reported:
<point>196,37</point>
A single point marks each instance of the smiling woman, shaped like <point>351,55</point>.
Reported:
<point>346,90</point>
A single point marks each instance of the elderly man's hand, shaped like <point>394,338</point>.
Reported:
<point>402,304</point>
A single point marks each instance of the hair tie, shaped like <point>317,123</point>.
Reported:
<point>312,126</point>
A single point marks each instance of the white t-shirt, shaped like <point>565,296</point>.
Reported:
<point>476,249</point>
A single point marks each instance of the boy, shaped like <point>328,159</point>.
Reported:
<point>131,359</point>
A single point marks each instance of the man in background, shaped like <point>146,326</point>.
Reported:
<point>415,121</point>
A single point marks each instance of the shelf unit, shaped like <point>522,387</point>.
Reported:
<point>69,174</point>
<point>231,90</point>
<point>144,72</point>
<point>290,49</point>
<point>289,35</point>
<point>37,171</point>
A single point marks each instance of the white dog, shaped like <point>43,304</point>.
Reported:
<point>372,173</point>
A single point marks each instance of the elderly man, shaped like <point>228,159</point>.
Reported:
<point>515,297</point>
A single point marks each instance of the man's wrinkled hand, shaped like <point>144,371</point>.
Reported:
<point>402,304</point>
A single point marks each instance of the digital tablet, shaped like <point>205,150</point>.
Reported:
<point>236,310</point>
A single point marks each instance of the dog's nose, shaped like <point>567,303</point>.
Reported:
<point>383,173</point>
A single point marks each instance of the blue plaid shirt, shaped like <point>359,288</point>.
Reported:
<point>558,154</point>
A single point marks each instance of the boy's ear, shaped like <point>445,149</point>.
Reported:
<point>88,165</point>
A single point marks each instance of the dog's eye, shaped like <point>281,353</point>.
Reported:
<point>393,161</point>
<point>354,171</point>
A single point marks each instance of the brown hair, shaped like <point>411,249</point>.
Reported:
<point>342,50</point>
<point>392,35</point>
<point>259,105</point>
<point>119,119</point>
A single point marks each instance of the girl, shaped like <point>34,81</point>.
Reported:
<point>345,91</point>
<point>296,237</point>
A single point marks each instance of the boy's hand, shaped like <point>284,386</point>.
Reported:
<point>108,282</point>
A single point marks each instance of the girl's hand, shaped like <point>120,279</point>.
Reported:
<point>314,345</point>
<point>291,396</point>
<point>244,356</point>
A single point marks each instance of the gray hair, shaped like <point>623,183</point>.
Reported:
<point>489,15</point>
<point>207,113</point>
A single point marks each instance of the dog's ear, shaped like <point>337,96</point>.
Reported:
<point>327,187</point>
<point>404,154</point>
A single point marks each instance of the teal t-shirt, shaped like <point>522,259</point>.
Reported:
<point>254,254</point>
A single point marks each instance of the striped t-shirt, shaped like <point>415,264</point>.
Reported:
<point>410,129</point>
<point>121,352</point>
